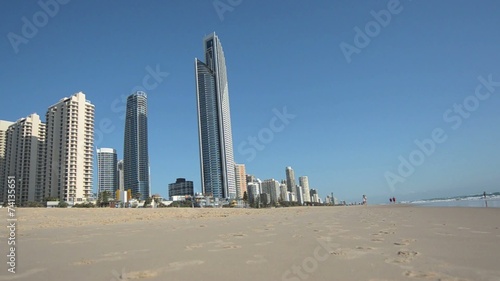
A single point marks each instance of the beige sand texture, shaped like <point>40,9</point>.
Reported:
<point>308,243</point>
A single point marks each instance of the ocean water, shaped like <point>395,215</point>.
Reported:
<point>476,200</point>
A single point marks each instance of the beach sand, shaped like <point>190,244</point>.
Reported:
<point>375,243</point>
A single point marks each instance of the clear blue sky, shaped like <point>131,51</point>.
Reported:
<point>352,119</point>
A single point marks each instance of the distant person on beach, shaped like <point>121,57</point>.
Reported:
<point>390,200</point>
<point>484,195</point>
<point>364,199</point>
<point>393,199</point>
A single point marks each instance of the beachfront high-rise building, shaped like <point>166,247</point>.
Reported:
<point>68,165</point>
<point>272,187</point>
<point>299,193</point>
<point>241,180</point>
<point>24,149</point>
<point>107,171</point>
<point>119,170</point>
<point>290,179</point>
<point>4,125</point>
<point>253,192</point>
<point>314,195</point>
<point>214,122</point>
<point>283,192</point>
<point>135,156</point>
<point>304,182</point>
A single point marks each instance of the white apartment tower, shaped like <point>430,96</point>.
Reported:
<point>4,125</point>
<point>304,182</point>
<point>69,149</point>
<point>272,187</point>
<point>24,150</point>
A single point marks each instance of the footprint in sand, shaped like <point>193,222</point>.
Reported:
<point>174,266</point>
<point>378,239</point>
<point>403,257</point>
<point>194,246</point>
<point>233,235</point>
<point>364,248</point>
<point>404,242</point>
<point>224,247</point>
<point>480,232</point>
<point>422,275</point>
<point>259,259</point>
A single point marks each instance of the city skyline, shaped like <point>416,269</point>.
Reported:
<point>295,98</point>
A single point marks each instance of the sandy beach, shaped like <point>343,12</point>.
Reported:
<point>308,243</point>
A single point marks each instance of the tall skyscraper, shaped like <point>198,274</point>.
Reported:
<point>304,182</point>
<point>107,171</point>
<point>241,180</point>
<point>214,122</point>
<point>24,149</point>
<point>4,125</point>
<point>135,156</point>
<point>290,179</point>
<point>69,149</point>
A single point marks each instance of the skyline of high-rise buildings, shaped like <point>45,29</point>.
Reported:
<point>135,147</point>
<point>63,162</point>
<point>214,122</point>
<point>52,159</point>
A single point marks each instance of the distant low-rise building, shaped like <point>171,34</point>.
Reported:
<point>181,187</point>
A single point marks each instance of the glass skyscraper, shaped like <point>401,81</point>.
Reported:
<point>135,153</point>
<point>214,122</point>
<point>107,175</point>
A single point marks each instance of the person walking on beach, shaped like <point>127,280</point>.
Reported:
<point>364,199</point>
<point>390,199</point>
